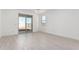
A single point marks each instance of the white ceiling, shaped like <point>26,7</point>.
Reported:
<point>37,11</point>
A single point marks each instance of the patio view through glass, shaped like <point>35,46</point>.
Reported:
<point>25,23</point>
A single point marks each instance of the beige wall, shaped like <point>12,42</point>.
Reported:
<point>10,21</point>
<point>0,23</point>
<point>61,22</point>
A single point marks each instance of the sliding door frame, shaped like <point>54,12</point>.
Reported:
<point>26,15</point>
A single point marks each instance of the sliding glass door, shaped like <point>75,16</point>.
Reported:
<point>22,23</point>
<point>29,23</point>
<point>25,23</point>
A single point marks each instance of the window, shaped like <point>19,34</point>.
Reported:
<point>43,20</point>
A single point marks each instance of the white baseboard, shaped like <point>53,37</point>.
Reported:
<point>61,35</point>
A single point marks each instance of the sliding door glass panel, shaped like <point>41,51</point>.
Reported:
<point>21,23</point>
<point>28,23</point>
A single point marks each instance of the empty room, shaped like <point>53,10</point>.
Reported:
<point>39,29</point>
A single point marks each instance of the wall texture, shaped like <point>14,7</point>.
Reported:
<point>10,21</point>
<point>0,23</point>
<point>61,22</point>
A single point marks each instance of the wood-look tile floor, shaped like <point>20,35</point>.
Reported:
<point>37,41</point>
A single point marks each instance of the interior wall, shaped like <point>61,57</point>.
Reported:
<point>0,23</point>
<point>10,21</point>
<point>61,22</point>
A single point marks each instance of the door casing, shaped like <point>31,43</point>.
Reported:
<point>25,15</point>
